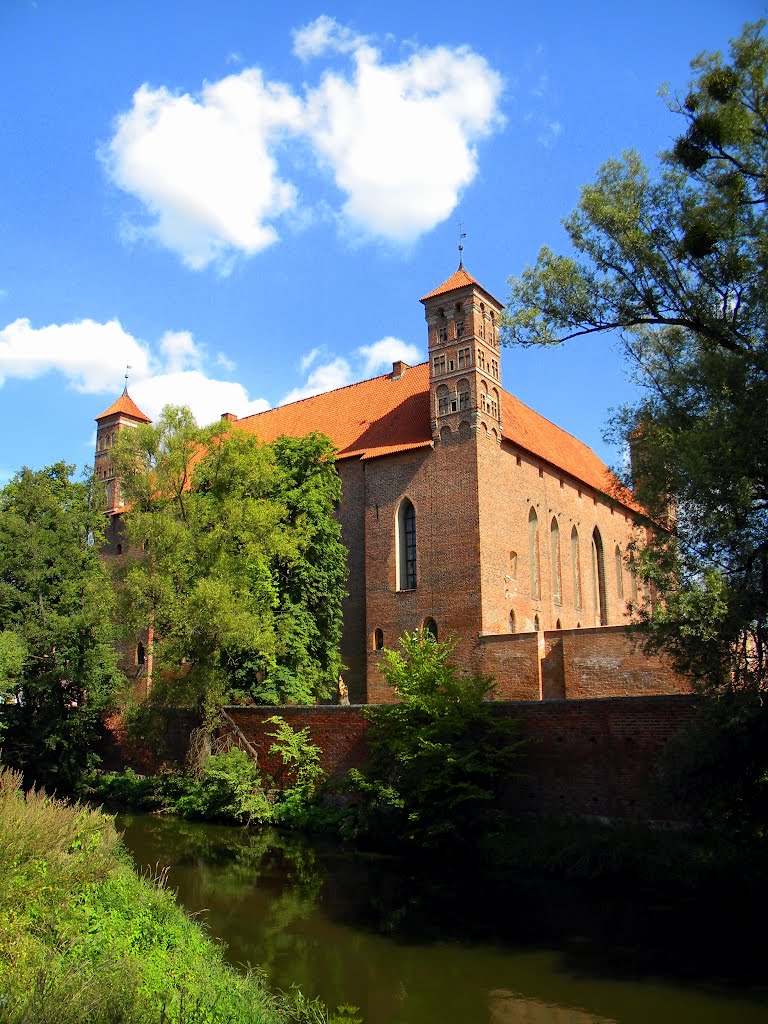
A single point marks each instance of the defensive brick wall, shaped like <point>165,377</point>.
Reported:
<point>582,757</point>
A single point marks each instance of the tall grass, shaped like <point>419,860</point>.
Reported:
<point>85,939</point>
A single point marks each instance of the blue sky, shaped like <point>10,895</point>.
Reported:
<point>246,200</point>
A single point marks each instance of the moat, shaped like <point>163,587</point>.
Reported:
<point>408,946</point>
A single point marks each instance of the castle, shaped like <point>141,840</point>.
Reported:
<point>465,512</point>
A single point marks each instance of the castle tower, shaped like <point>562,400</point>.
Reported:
<point>464,360</point>
<point>122,414</point>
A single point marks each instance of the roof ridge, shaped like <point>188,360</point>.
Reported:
<point>552,423</point>
<point>331,391</point>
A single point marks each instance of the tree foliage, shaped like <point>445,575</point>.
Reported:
<point>440,757</point>
<point>235,560</point>
<point>676,263</point>
<point>57,659</point>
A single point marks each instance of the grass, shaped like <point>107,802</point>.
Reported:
<point>83,938</point>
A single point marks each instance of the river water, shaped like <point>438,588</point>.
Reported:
<point>412,947</point>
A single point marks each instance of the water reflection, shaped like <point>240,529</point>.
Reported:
<point>411,947</point>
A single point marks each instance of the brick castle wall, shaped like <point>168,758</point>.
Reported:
<point>582,758</point>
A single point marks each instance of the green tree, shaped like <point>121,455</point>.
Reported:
<point>675,262</point>
<point>235,560</point>
<point>440,757</point>
<point>57,658</point>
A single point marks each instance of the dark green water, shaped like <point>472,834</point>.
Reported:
<point>408,948</point>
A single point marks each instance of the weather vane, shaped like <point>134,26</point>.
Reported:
<point>128,368</point>
<point>462,236</point>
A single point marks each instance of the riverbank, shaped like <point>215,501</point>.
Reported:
<point>84,938</point>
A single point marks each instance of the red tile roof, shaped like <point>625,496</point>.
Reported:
<point>460,279</point>
<point>385,415</point>
<point>125,405</point>
<point>374,417</point>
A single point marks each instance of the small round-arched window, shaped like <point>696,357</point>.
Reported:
<point>378,639</point>
<point>536,623</point>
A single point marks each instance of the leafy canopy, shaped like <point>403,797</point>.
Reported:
<point>57,659</point>
<point>676,263</point>
<point>235,560</point>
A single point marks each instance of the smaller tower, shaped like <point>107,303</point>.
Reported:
<point>122,414</point>
<point>464,359</point>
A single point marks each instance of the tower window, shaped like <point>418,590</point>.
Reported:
<point>460,327</point>
<point>463,388</point>
<point>438,364</point>
<point>406,546</point>
<point>481,359</point>
<point>465,357</point>
<point>442,334</point>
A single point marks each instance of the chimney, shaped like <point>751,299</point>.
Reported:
<point>398,369</point>
<point>229,417</point>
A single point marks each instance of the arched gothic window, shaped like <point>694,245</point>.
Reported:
<point>533,553</point>
<point>598,579</point>
<point>619,573</point>
<point>406,546</point>
<point>633,580</point>
<point>430,626</point>
<point>554,543</point>
<point>512,622</point>
<point>576,567</point>
<point>378,639</point>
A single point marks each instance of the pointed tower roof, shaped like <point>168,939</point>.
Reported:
<point>459,279</point>
<point>125,405</point>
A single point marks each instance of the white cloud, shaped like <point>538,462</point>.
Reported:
<point>206,397</point>
<point>324,34</point>
<point>326,377</point>
<point>180,351</point>
<point>400,138</point>
<point>337,372</point>
<point>204,167</point>
<point>92,358</point>
<point>381,354</point>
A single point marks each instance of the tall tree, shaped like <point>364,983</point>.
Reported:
<point>57,658</point>
<point>676,264</point>
<point>235,559</point>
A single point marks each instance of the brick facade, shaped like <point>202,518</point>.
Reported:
<point>466,512</point>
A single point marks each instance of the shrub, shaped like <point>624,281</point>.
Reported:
<point>438,756</point>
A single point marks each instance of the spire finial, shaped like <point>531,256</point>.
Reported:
<point>462,236</point>
<point>127,371</point>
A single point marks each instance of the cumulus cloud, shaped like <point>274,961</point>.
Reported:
<point>399,141</point>
<point>92,358</point>
<point>322,35</point>
<point>400,138</point>
<point>90,355</point>
<point>326,377</point>
<point>337,372</point>
<point>206,397</point>
<point>205,167</point>
<point>381,354</point>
